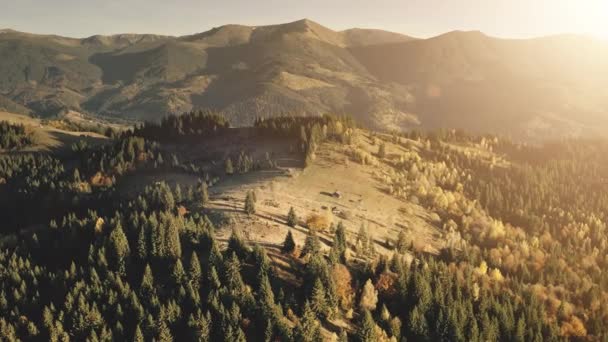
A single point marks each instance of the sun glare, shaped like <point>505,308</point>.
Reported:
<point>590,16</point>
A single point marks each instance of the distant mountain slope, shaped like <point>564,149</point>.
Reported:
<point>552,86</point>
<point>546,87</point>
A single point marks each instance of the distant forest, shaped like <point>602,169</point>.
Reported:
<point>14,136</point>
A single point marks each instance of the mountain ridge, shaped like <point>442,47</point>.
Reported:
<point>386,80</point>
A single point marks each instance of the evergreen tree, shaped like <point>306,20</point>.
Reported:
<point>147,282</point>
<point>142,243</point>
<point>76,176</point>
<point>395,328</point>
<point>119,246</point>
<point>178,275</point>
<point>312,244</point>
<point>228,167</point>
<point>177,194</point>
<point>520,332</point>
<point>234,280</point>
<point>266,297</point>
<point>340,238</point>
<point>401,245</point>
<point>292,219</point>
<point>366,331</point>
<point>203,192</point>
<point>308,330</point>
<point>138,336</point>
<point>418,325</point>
<point>382,150</point>
<point>249,204</point>
<point>163,333</point>
<point>318,300</point>
<point>194,271</point>
<point>289,245</point>
<point>200,327</point>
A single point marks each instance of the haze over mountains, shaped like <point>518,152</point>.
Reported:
<point>536,88</point>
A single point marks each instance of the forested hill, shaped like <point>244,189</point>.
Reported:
<point>386,80</point>
<point>302,229</point>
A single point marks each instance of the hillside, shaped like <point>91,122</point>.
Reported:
<point>303,229</point>
<point>385,80</point>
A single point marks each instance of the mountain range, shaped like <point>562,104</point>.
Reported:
<point>534,89</point>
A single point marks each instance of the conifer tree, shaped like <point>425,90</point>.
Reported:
<point>163,333</point>
<point>229,169</point>
<point>292,218</point>
<point>366,331</point>
<point>142,243</point>
<point>340,238</point>
<point>177,194</point>
<point>520,332</point>
<point>401,245</point>
<point>289,244</point>
<point>395,328</point>
<point>266,297</point>
<point>312,245</point>
<point>119,246</point>
<point>178,275</point>
<point>234,280</point>
<point>382,150</point>
<point>138,336</point>
<point>194,271</point>
<point>417,324</point>
<point>249,204</point>
<point>200,327</point>
<point>203,192</point>
<point>147,282</point>
<point>318,300</point>
<point>308,330</point>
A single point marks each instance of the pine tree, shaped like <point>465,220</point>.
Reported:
<point>401,245</point>
<point>366,331</point>
<point>200,327</point>
<point>147,282</point>
<point>269,332</point>
<point>194,271</point>
<point>308,330</point>
<point>417,324</point>
<point>203,192</point>
<point>138,336</point>
<point>119,246</point>
<point>249,204</point>
<point>395,328</point>
<point>520,332</point>
<point>76,176</point>
<point>266,297</point>
<point>177,194</point>
<point>289,245</point>
<point>178,275</point>
<point>234,280</point>
<point>340,238</point>
<point>228,167</point>
<point>142,243</point>
<point>318,300</point>
<point>163,333</point>
<point>312,245</point>
<point>292,219</point>
<point>172,243</point>
<point>382,150</point>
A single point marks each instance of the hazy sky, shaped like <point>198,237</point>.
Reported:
<point>421,18</point>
